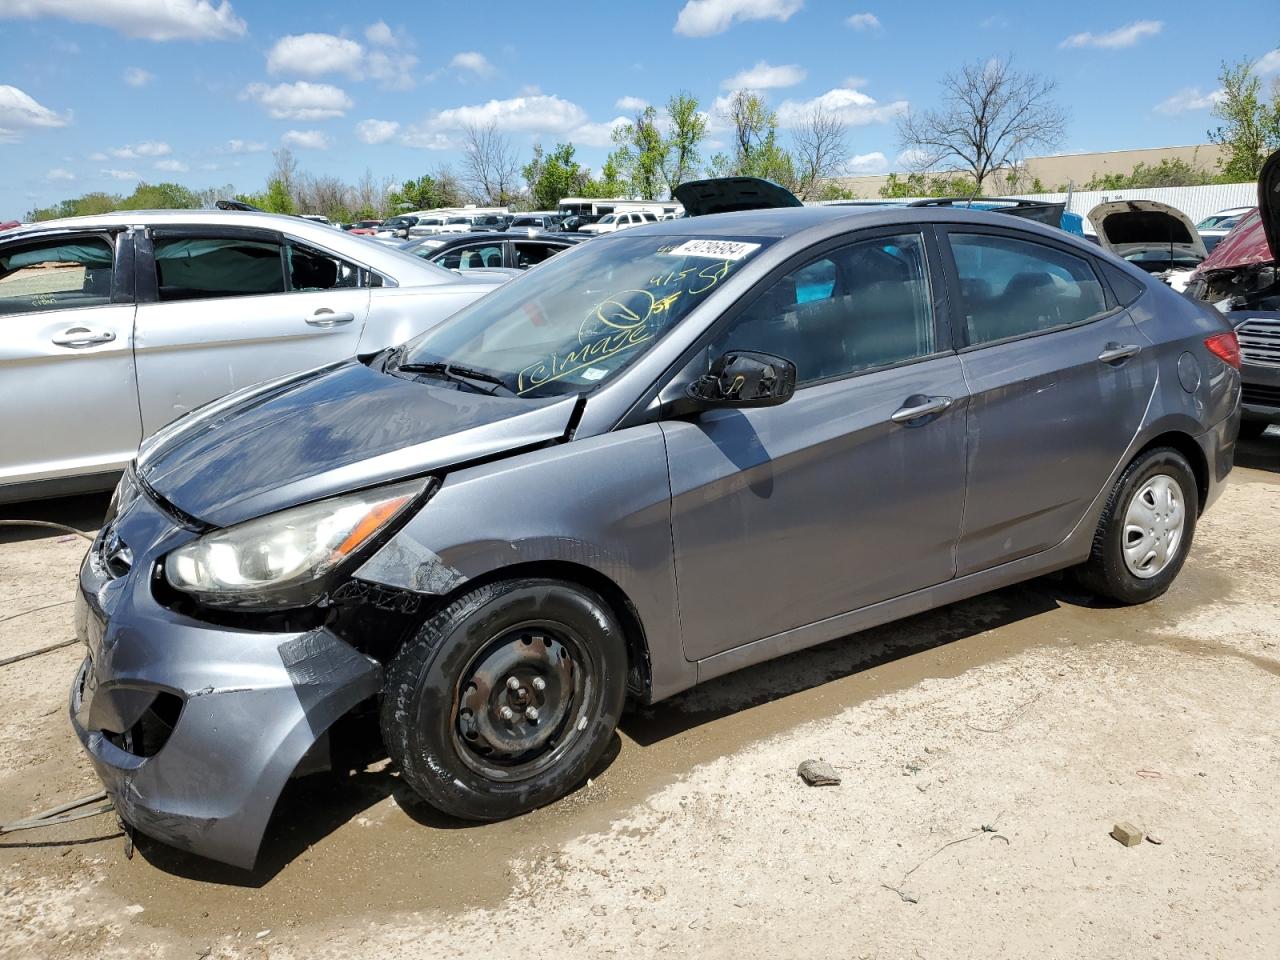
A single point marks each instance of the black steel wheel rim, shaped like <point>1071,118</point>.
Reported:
<point>522,700</point>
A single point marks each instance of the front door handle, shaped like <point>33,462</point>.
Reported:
<point>324,317</point>
<point>918,407</point>
<point>1118,353</point>
<point>82,337</point>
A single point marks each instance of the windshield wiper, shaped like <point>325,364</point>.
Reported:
<point>454,372</point>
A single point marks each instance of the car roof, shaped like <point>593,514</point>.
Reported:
<point>779,222</point>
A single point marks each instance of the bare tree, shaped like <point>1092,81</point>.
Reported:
<point>286,171</point>
<point>490,169</point>
<point>990,116</point>
<point>821,148</point>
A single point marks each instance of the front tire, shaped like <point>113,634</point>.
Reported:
<point>1146,529</point>
<point>504,700</point>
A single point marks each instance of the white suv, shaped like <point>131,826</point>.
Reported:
<point>613,222</point>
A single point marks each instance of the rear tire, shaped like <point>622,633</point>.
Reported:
<point>505,700</point>
<point>1146,529</point>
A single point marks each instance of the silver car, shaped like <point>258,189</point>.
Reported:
<point>115,325</point>
<point>659,457</point>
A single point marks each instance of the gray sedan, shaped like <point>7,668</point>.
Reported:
<point>114,325</point>
<point>661,456</point>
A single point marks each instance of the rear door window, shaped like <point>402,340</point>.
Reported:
<point>60,274</point>
<point>471,257</point>
<point>527,253</point>
<point>1011,287</point>
<point>192,268</point>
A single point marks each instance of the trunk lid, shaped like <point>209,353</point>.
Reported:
<point>727,194</point>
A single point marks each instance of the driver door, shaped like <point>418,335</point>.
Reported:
<point>838,498</point>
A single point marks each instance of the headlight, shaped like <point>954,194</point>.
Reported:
<point>281,559</point>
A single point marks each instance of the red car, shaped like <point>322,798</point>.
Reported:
<point>366,228</point>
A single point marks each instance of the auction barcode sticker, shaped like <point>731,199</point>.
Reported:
<point>715,249</point>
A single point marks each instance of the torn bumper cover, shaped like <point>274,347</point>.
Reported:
<point>193,728</point>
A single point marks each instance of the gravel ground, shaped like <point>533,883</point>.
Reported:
<point>986,751</point>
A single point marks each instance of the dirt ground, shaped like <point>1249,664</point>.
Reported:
<point>986,751</point>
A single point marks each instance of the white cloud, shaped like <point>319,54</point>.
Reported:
<point>913,158</point>
<point>394,71</point>
<point>57,173</point>
<point>20,112</point>
<point>1125,36</point>
<point>1187,99</point>
<point>852,106</point>
<point>705,18</point>
<point>245,146</point>
<point>765,76</point>
<point>315,54</point>
<point>477,63</point>
<point>147,148</point>
<point>137,77</point>
<point>1269,62</point>
<point>143,19</point>
<point>634,104</point>
<point>380,34</point>
<point>534,114</point>
<point>306,139</point>
<point>864,21</point>
<point>299,101</point>
<point>424,137</point>
<point>596,134</point>
<point>861,163</point>
<point>376,131</point>
<point>120,174</point>
<point>172,166</point>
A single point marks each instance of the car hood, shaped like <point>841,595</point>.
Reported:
<point>1256,238</point>
<point>727,194</point>
<point>1130,226</point>
<point>328,431</point>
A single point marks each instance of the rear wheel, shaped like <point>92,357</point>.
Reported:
<point>503,701</point>
<point>1146,529</point>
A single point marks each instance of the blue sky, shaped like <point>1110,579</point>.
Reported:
<point>98,94</point>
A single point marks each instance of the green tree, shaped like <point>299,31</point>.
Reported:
<point>686,129</point>
<point>1250,123</point>
<point>554,177</point>
<point>640,154</point>
<point>610,183</point>
<point>757,152</point>
<point>1169,172</point>
<point>428,192</point>
<point>925,185</point>
<point>160,196</point>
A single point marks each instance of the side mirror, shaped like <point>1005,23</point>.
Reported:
<point>745,378</point>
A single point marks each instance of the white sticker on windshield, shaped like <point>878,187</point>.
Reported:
<point>715,249</point>
<point>594,373</point>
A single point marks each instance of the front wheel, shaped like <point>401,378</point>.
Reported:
<point>504,700</point>
<point>1145,530</point>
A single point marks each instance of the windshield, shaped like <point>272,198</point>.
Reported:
<point>582,316</point>
<point>609,218</point>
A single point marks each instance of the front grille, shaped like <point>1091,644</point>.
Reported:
<point>1260,342</point>
<point>1260,395</point>
<point>113,556</point>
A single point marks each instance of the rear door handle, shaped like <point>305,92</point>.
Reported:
<point>917,408</point>
<point>324,317</point>
<point>1119,352</point>
<point>82,337</point>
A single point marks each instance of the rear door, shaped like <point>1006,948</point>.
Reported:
<point>222,308</point>
<point>849,493</point>
<point>66,356</point>
<point>1060,380</point>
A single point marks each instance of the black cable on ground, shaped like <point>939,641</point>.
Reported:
<point>62,813</point>
<point>47,523</point>
<point>35,653</point>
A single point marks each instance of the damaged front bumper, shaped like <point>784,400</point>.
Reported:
<point>195,728</point>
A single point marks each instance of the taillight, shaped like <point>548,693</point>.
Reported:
<point>1226,347</point>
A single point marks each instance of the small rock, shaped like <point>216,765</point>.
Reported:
<point>818,773</point>
<point>134,908</point>
<point>260,934</point>
<point>1153,838</point>
<point>1127,834</point>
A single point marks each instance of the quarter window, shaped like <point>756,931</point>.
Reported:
<point>858,307</point>
<point>56,275</point>
<point>312,269</point>
<point>194,268</point>
<point>1010,288</point>
<point>527,254</point>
